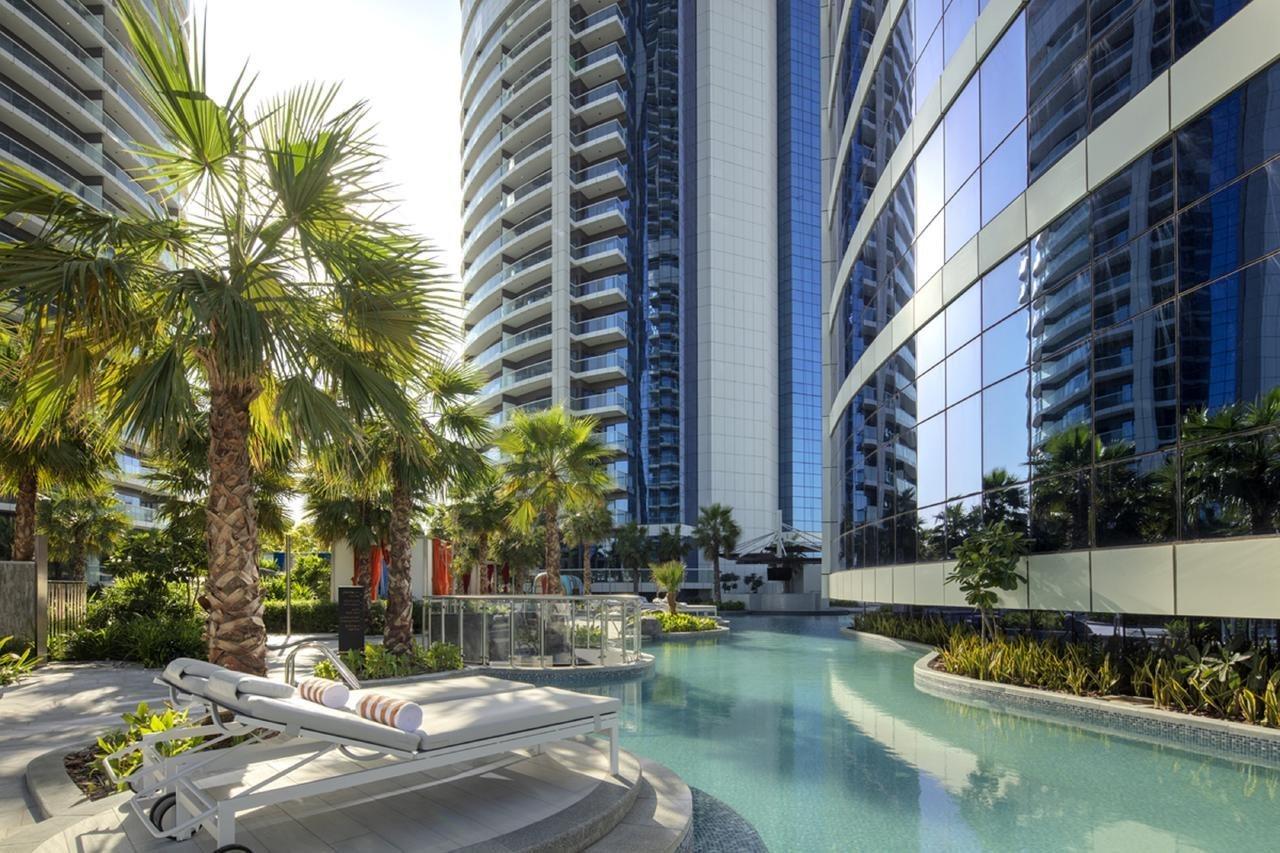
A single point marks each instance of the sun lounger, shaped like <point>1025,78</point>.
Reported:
<point>254,720</point>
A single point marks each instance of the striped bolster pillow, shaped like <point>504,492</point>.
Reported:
<point>397,713</point>
<point>324,692</point>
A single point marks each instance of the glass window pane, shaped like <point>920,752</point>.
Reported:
<point>1009,505</point>
<point>931,455</point>
<point>1135,502</point>
<point>1004,288</point>
<point>931,392</point>
<point>964,372</point>
<point>1006,431</point>
<point>929,253</point>
<point>964,318</point>
<point>928,177</point>
<point>1135,405</point>
<point>1060,251</point>
<point>930,344</point>
<point>962,518</point>
<point>960,17</point>
<point>931,543</point>
<point>1229,229</point>
<point>962,141</point>
<point>1055,40</point>
<point>964,448</point>
<point>1061,411</point>
<point>1003,78</point>
<point>1134,200</point>
<point>1133,279</point>
<point>1004,175</point>
<point>928,14</point>
<point>963,217</point>
<point>1224,493</point>
<point>1058,120</point>
<point>1229,346</point>
<point>929,68</point>
<point>1006,347</point>
<point>1060,512</point>
<point>904,537</point>
<point>1128,57</point>
<point>1062,318</point>
<point>1195,19</point>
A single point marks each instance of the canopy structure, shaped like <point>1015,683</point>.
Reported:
<point>782,550</point>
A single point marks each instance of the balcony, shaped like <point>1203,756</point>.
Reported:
<point>611,328</point>
<point>614,363</point>
<point>474,94</point>
<point>611,403</point>
<point>601,103</point>
<point>599,66</point>
<point>600,141</point>
<point>514,378</point>
<point>20,153</point>
<point>607,215</point>
<point>506,275</point>
<point>520,97</point>
<point>601,292</point>
<point>532,406</point>
<point>599,28</point>
<point>600,179</point>
<point>602,254</point>
<point>513,343</point>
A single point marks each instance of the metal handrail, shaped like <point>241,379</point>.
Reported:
<point>348,677</point>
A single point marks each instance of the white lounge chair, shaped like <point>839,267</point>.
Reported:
<point>470,720</point>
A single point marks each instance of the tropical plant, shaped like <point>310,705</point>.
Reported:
<point>1231,465</point>
<point>669,544</point>
<point>283,295</point>
<point>375,662</point>
<point>584,528</point>
<point>631,547</point>
<point>344,505</point>
<point>669,577</point>
<point>683,623</point>
<point>930,630</point>
<point>140,723</point>
<point>81,523</point>
<point>753,582</point>
<point>986,562</point>
<point>553,462</point>
<point>14,664</point>
<point>475,518</point>
<point>716,534</point>
<point>520,550</point>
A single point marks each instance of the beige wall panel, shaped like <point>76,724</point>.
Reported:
<point>1239,578</point>
<point>1133,580</point>
<point>1060,581</point>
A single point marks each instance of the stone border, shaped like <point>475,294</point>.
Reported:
<point>718,828</point>
<point>1223,739</point>
<point>691,636</point>
<point>55,794</point>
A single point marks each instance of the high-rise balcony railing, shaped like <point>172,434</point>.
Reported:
<point>614,359</point>
<point>495,44</point>
<point>516,377</point>
<point>609,323</point>
<point>64,179</point>
<point>586,289</point>
<point>595,403</point>
<point>513,342</point>
<point>506,274</point>
<point>514,91</point>
<point>600,27</point>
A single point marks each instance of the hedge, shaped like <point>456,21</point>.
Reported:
<point>314,616</point>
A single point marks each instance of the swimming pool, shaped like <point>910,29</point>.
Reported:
<point>823,743</point>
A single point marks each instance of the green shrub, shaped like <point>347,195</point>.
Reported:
<point>375,662</point>
<point>320,616</point>
<point>930,630</point>
<point>678,623</point>
<point>15,664</point>
<point>153,642</point>
<point>733,605</point>
<point>137,596</point>
<point>139,723</point>
<point>310,580</point>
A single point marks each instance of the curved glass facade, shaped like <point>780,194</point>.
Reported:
<point>1114,382</point>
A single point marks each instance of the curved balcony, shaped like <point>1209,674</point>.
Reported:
<point>601,103</point>
<point>500,418</point>
<point>516,240</point>
<point>609,252</point>
<point>523,379</point>
<point>15,150</point>
<point>608,365</point>
<point>517,22</point>
<point>517,309</point>
<point>522,94</point>
<point>508,275</point>
<point>599,28</point>
<point>611,328</point>
<point>528,49</point>
<point>517,136</point>
<point>513,343</point>
<point>611,403</point>
<point>601,292</point>
<point>598,142</point>
<point>473,159</point>
<point>600,179</point>
<point>607,215</point>
<point>599,66</point>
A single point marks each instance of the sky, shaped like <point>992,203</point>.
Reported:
<point>399,55</point>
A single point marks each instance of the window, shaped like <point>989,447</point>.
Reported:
<point>1006,347</point>
<point>1004,288</point>
<point>1003,80</point>
<point>1004,175</point>
<point>1005,428</point>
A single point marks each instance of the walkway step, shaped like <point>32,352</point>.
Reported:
<point>660,820</point>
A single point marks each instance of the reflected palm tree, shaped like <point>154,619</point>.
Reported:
<point>1231,474</point>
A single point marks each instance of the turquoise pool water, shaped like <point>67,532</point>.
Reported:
<point>823,743</point>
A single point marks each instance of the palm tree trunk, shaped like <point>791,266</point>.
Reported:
<point>715,574</point>
<point>586,569</point>
<point>24,519</point>
<point>237,634</point>
<point>635,580</point>
<point>552,553</point>
<point>398,634</point>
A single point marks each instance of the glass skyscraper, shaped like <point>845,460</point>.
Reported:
<point>1052,299</point>
<point>641,206</point>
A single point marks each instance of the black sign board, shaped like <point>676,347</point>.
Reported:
<point>351,618</point>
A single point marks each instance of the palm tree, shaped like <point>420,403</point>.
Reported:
<point>716,534</point>
<point>670,544</point>
<point>343,503</point>
<point>442,447</point>
<point>476,516</point>
<point>669,577</point>
<point>283,295</point>
<point>553,462</point>
<point>583,529</point>
<point>631,545</point>
<point>80,522</point>
<point>520,550</point>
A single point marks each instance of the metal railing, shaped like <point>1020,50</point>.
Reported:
<point>537,631</point>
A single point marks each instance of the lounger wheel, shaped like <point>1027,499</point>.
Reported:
<point>233,848</point>
<point>160,808</point>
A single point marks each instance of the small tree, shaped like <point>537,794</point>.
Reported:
<point>631,544</point>
<point>987,561</point>
<point>82,522</point>
<point>669,576</point>
<point>583,529</point>
<point>716,534</point>
<point>670,545</point>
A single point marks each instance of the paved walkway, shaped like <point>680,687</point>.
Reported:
<point>65,705</point>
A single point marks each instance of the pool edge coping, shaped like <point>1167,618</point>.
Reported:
<point>1223,739</point>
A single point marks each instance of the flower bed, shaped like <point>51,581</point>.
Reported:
<point>685,623</point>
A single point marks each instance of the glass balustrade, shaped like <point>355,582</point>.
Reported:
<point>599,285</point>
<point>598,94</point>
<point>599,247</point>
<point>600,208</point>
<point>606,323</point>
<point>537,631</point>
<point>583,24</point>
<point>577,63</point>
